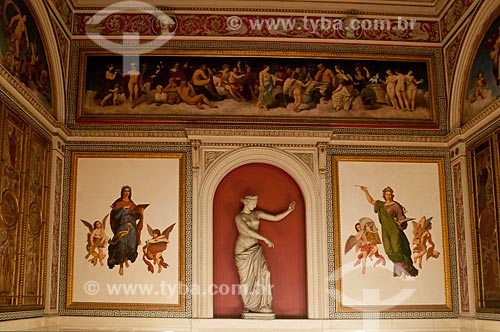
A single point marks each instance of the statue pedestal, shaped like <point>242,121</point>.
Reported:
<point>258,315</point>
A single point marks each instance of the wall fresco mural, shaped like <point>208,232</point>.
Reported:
<point>21,50</point>
<point>484,81</point>
<point>329,91</point>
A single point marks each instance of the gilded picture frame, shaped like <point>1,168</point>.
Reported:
<point>385,261</point>
<point>104,231</point>
<point>365,100</point>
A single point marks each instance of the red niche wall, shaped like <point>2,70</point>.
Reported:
<point>286,261</point>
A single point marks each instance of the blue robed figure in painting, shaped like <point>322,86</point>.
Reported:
<point>127,220</point>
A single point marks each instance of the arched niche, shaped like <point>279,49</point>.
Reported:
<point>286,261</point>
<point>482,21</point>
<point>44,31</point>
<point>315,224</point>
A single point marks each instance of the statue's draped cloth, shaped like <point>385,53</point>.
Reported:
<point>255,278</point>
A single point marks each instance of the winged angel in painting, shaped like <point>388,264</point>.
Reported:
<point>365,241</point>
<point>154,248</point>
<point>422,241</point>
<point>96,241</point>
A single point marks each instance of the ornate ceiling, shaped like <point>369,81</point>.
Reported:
<point>432,21</point>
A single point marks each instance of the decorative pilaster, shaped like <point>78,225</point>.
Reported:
<point>322,157</point>
<point>195,144</point>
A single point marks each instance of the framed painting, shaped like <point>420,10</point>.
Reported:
<point>126,246</point>
<point>483,172</point>
<point>243,87</point>
<point>391,234</point>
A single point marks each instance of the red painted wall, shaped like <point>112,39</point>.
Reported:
<point>286,261</point>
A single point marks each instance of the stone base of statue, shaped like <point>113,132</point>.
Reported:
<point>258,315</point>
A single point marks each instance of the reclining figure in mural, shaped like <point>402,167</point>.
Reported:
<point>255,278</point>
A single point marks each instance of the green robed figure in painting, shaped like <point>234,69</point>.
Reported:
<point>392,217</point>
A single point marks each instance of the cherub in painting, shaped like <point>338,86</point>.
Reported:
<point>479,88</point>
<point>154,248</point>
<point>365,241</point>
<point>96,241</point>
<point>421,238</point>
